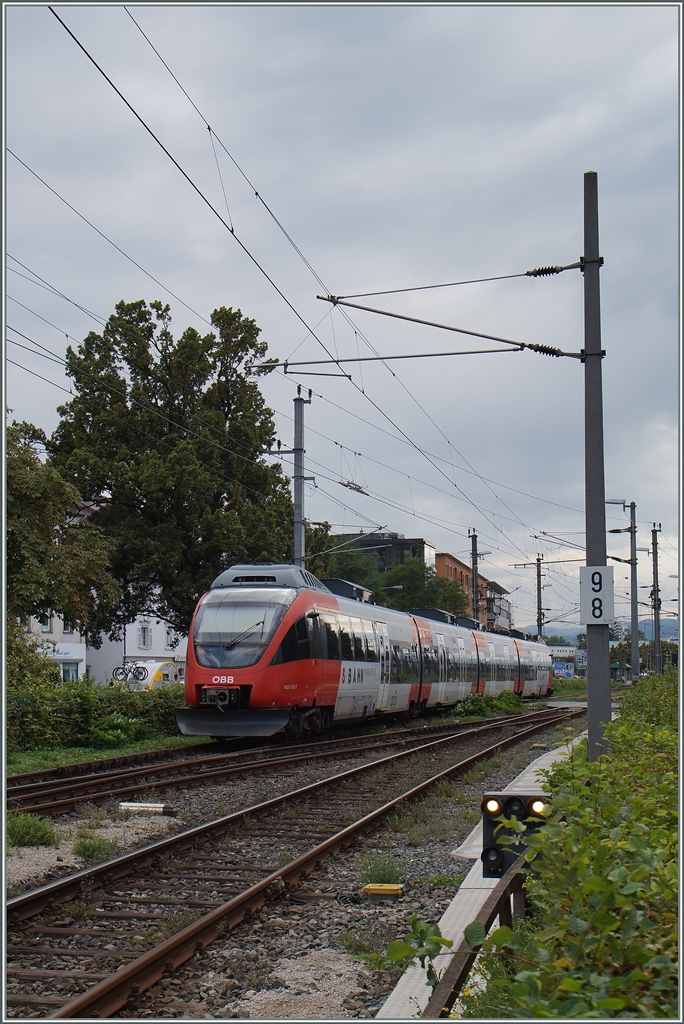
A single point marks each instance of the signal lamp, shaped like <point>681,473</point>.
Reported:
<point>530,810</point>
<point>514,807</point>
<point>492,858</point>
<point>492,806</point>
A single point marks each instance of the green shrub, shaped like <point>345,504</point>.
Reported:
<point>29,830</point>
<point>115,730</point>
<point>606,893</point>
<point>44,711</point>
<point>379,869</point>
<point>94,849</point>
<point>653,701</point>
<point>510,702</point>
<point>476,705</point>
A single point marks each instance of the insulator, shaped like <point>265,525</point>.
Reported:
<point>546,350</point>
<point>543,271</point>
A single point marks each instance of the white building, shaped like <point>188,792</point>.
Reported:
<point>64,644</point>
<point>563,656</point>
<point>147,640</point>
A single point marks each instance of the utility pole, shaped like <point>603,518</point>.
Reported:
<point>474,574</point>
<point>634,591</point>
<point>657,649</point>
<point>598,646</point>
<point>540,610</point>
<point>634,586</point>
<point>299,478</point>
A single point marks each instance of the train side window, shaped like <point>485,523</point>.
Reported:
<point>371,651</point>
<point>330,622</point>
<point>359,638</point>
<point>346,648</point>
<point>317,638</point>
<point>295,644</point>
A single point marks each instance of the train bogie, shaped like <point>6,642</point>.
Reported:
<point>271,648</point>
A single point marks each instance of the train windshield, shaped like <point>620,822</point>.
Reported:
<point>233,627</point>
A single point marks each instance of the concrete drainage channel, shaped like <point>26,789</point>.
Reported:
<point>184,893</point>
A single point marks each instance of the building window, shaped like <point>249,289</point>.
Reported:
<point>46,622</point>
<point>171,641</point>
<point>144,636</point>
<point>70,671</point>
<point>67,628</point>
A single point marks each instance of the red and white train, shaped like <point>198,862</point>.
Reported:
<point>271,648</point>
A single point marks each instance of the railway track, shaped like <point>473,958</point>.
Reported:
<point>88,944</point>
<point>57,796</point>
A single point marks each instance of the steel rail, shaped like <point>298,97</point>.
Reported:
<point>82,771</point>
<point>17,800</point>
<point>108,996</point>
<point>33,902</point>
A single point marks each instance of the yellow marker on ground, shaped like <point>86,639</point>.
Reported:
<point>382,891</point>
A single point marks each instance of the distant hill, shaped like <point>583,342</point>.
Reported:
<point>669,630</point>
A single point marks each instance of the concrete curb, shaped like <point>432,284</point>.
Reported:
<point>411,994</point>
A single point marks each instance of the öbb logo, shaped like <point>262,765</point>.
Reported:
<point>222,679</point>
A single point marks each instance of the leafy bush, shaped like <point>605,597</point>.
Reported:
<point>510,702</point>
<point>379,869</point>
<point>94,849</point>
<point>44,711</point>
<point>115,730</point>
<point>476,705</point>
<point>29,830</point>
<point>605,896</point>
<point>653,701</point>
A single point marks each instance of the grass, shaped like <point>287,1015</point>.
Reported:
<point>29,830</point>
<point>94,849</point>
<point>36,760</point>
<point>575,689</point>
<point>379,868</point>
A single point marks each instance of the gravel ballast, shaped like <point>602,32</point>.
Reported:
<point>285,961</point>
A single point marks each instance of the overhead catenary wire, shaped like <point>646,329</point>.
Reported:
<point>102,322</point>
<point>203,423</point>
<point>106,237</point>
<point>540,271</point>
<point>242,245</point>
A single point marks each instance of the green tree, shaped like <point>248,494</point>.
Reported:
<point>54,561</point>
<point>555,638</point>
<point>358,567</point>
<point>168,436</point>
<point>421,587</point>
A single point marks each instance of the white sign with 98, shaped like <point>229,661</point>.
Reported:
<point>597,605</point>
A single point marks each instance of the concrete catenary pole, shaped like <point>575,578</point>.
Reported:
<point>298,478</point>
<point>474,574</point>
<point>540,613</point>
<point>598,641</point>
<point>634,590</point>
<point>657,649</point>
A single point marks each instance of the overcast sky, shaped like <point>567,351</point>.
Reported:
<point>398,146</point>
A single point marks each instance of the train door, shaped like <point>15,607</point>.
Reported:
<point>443,672</point>
<point>383,649</point>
